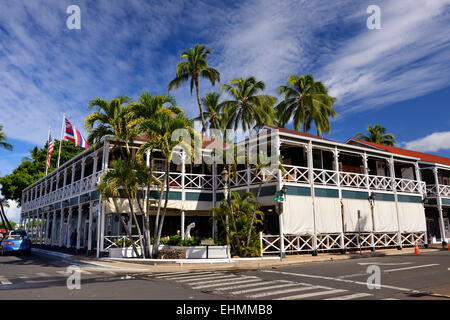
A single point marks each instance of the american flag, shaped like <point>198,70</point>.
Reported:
<point>50,150</point>
<point>72,134</point>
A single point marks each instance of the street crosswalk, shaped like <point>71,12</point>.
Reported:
<point>253,287</point>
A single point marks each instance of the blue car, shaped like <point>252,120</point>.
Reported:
<point>16,241</point>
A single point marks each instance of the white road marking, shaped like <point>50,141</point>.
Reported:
<point>232,284</point>
<point>4,281</point>
<point>353,275</point>
<point>24,277</point>
<point>212,279</point>
<point>221,282</point>
<point>64,273</point>
<point>263,288</point>
<point>85,272</point>
<point>389,299</point>
<point>384,263</point>
<point>172,277</point>
<point>415,267</point>
<point>351,296</point>
<point>277,292</point>
<point>43,274</point>
<point>313,294</point>
<point>339,280</point>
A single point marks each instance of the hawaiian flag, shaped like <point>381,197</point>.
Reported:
<point>50,150</point>
<point>72,134</point>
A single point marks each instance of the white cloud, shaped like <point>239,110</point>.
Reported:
<point>13,212</point>
<point>406,59</point>
<point>431,143</point>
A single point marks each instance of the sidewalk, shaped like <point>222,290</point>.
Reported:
<point>155,266</point>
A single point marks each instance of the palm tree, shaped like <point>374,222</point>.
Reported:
<point>377,134</point>
<point>248,108</point>
<point>110,186</point>
<point>146,111</point>
<point>3,143</point>
<point>213,114</point>
<point>160,129</point>
<point>110,118</point>
<point>306,101</point>
<point>193,66</point>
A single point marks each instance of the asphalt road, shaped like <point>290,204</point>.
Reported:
<point>404,277</point>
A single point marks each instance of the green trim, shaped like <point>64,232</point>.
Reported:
<point>413,199</point>
<point>95,195</point>
<point>265,191</point>
<point>326,193</point>
<point>347,194</point>
<point>154,195</point>
<point>298,191</point>
<point>445,201</point>
<point>74,201</point>
<point>384,197</point>
<point>203,196</point>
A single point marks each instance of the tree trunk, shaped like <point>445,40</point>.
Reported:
<point>236,236</point>
<point>199,101</point>
<point>254,214</point>
<point>133,217</point>
<point>158,211</point>
<point>160,224</point>
<point>126,228</point>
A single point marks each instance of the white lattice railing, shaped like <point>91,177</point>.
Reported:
<point>325,177</point>
<point>353,180</point>
<point>407,185</point>
<point>380,183</point>
<point>112,241</point>
<point>444,190</point>
<point>74,189</point>
<point>294,174</point>
<point>270,244</point>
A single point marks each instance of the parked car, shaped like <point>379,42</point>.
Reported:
<point>16,241</point>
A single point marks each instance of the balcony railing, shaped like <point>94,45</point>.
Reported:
<point>251,177</point>
<point>444,191</point>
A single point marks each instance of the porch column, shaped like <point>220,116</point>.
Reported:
<point>53,229</point>
<point>61,228</point>
<point>277,145</point>
<point>80,213</point>
<point>72,178</point>
<point>91,218</point>
<point>47,239</point>
<point>41,236</point>
<point>69,228</point>
<point>439,207</point>
<point>34,228</point>
<point>65,177</point>
<point>83,166</point>
<point>311,181</point>
<point>392,174</point>
<point>182,225</point>
<point>338,183</point>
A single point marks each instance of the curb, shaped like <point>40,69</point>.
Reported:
<point>125,264</point>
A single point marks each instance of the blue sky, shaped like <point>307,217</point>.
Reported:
<point>397,76</point>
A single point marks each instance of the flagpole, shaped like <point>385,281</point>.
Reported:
<point>61,140</point>
<point>46,159</point>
